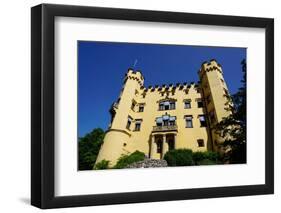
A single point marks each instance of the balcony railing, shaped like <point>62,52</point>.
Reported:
<point>165,128</point>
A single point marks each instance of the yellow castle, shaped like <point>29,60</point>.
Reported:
<point>157,119</point>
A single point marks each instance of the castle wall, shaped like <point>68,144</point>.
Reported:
<point>113,146</point>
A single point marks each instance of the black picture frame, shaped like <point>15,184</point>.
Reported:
<point>43,102</point>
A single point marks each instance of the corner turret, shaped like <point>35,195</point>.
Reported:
<point>215,94</point>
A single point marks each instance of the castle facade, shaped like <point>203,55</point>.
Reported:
<point>160,118</point>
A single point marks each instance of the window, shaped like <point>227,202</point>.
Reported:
<point>159,146</point>
<point>172,123</point>
<point>188,121</point>
<point>202,120</point>
<point>199,103</point>
<point>166,120</point>
<point>172,105</point>
<point>200,142</point>
<point>159,121</point>
<point>222,80</point>
<point>167,105</point>
<point>141,108</point>
<point>138,125</point>
<point>129,122</point>
<point>172,120</point>
<point>187,104</point>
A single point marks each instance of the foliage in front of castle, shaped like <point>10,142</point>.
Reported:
<point>186,157</point>
<point>104,164</point>
<point>89,147</point>
<point>126,160</point>
<point>234,126</point>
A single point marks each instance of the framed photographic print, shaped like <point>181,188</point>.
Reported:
<point>139,106</point>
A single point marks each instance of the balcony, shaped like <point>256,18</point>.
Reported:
<point>165,128</point>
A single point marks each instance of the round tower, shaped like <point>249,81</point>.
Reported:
<point>118,135</point>
<point>216,95</point>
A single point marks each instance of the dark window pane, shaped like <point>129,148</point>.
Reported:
<point>141,108</point>
<point>187,105</point>
<point>172,105</point>
<point>202,120</point>
<point>189,123</point>
<point>200,142</point>
<point>137,127</point>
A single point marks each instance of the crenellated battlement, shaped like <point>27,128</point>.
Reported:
<point>137,75</point>
<point>212,65</point>
<point>171,87</point>
<point>134,75</point>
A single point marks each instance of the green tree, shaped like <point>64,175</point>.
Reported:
<point>89,147</point>
<point>235,124</point>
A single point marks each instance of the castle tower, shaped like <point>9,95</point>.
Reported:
<point>215,94</point>
<point>118,134</point>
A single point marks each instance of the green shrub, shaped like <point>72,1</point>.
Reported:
<point>102,165</point>
<point>179,157</point>
<point>198,156</point>
<point>125,160</point>
<point>214,156</point>
<point>185,157</point>
<point>205,158</point>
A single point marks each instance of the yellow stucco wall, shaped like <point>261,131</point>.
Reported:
<point>120,140</point>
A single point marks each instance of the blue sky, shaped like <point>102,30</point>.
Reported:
<point>102,66</point>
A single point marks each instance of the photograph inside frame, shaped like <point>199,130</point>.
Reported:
<point>158,105</point>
